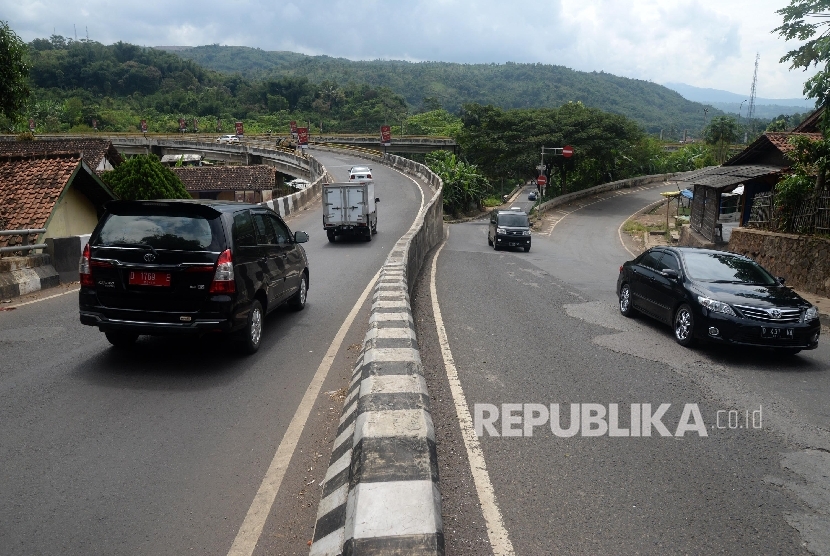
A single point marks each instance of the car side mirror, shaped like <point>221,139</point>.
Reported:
<point>377,199</point>
<point>671,274</point>
<point>781,279</point>
<point>300,237</point>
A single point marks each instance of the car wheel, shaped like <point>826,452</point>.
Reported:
<point>121,339</point>
<point>527,249</point>
<point>368,236</point>
<point>251,336</point>
<point>626,307</point>
<point>297,301</point>
<point>684,326</point>
<point>330,235</point>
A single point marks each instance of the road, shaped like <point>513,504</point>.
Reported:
<point>543,328</point>
<point>162,450</point>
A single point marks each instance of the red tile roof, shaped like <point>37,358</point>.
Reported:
<point>228,178</point>
<point>781,140</point>
<point>29,188</point>
<point>93,151</point>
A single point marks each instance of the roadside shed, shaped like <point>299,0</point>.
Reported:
<point>754,170</point>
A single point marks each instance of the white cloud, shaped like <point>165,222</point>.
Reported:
<point>706,43</point>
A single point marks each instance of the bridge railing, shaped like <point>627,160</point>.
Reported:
<point>24,245</point>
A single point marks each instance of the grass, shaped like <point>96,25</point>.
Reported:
<point>635,227</point>
<point>491,201</point>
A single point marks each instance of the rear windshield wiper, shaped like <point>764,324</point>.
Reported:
<point>727,282</point>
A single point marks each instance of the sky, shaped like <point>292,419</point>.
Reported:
<point>704,43</point>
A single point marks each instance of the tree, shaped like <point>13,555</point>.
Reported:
<point>721,132</point>
<point>143,177</point>
<point>464,186</point>
<point>803,20</point>
<point>14,72</point>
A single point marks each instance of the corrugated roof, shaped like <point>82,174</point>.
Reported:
<point>228,178</point>
<point>721,177</point>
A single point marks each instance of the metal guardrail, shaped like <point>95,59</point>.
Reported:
<point>24,246</point>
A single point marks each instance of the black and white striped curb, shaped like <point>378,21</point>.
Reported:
<point>380,494</point>
<point>24,275</point>
<point>384,466</point>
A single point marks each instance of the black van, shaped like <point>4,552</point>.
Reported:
<point>189,267</point>
<point>509,228</point>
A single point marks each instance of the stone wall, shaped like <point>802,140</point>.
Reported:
<point>804,261</point>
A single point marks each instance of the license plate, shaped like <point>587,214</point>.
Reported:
<point>782,333</point>
<point>139,278</point>
<point>513,244</point>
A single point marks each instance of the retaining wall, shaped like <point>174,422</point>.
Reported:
<point>24,275</point>
<point>611,186</point>
<point>804,261</point>
<point>380,494</point>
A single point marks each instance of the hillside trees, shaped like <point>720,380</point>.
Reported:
<point>121,84</point>
<point>14,89</point>
<point>508,143</point>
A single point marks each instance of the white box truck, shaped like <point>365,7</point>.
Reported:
<point>350,209</point>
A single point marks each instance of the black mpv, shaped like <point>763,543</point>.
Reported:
<point>189,267</point>
<point>509,228</point>
<point>718,297</point>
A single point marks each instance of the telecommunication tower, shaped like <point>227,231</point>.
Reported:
<point>751,111</point>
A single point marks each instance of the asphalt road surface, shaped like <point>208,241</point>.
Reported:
<point>544,328</point>
<point>162,449</point>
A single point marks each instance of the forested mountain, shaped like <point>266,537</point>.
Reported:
<point>77,83</point>
<point>451,85</point>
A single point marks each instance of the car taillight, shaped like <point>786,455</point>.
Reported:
<point>368,176</point>
<point>620,268</point>
<point>85,268</point>
<point>223,281</point>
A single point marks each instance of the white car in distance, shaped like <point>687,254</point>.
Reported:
<point>358,173</point>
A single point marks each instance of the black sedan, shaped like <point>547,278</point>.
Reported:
<point>718,297</point>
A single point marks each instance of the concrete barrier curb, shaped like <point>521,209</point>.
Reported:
<point>380,494</point>
<point>300,200</point>
<point>611,186</point>
<point>24,275</point>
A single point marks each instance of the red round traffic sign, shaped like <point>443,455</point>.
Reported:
<point>567,151</point>
<point>542,180</point>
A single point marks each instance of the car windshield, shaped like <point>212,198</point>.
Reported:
<point>161,231</point>
<point>514,220</point>
<point>726,268</point>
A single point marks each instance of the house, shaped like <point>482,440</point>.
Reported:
<point>57,191</point>
<point>98,154</point>
<point>250,184</point>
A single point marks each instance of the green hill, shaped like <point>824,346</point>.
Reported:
<point>507,85</point>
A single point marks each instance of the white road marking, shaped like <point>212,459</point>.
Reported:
<point>43,298</point>
<point>251,529</point>
<point>499,540</point>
